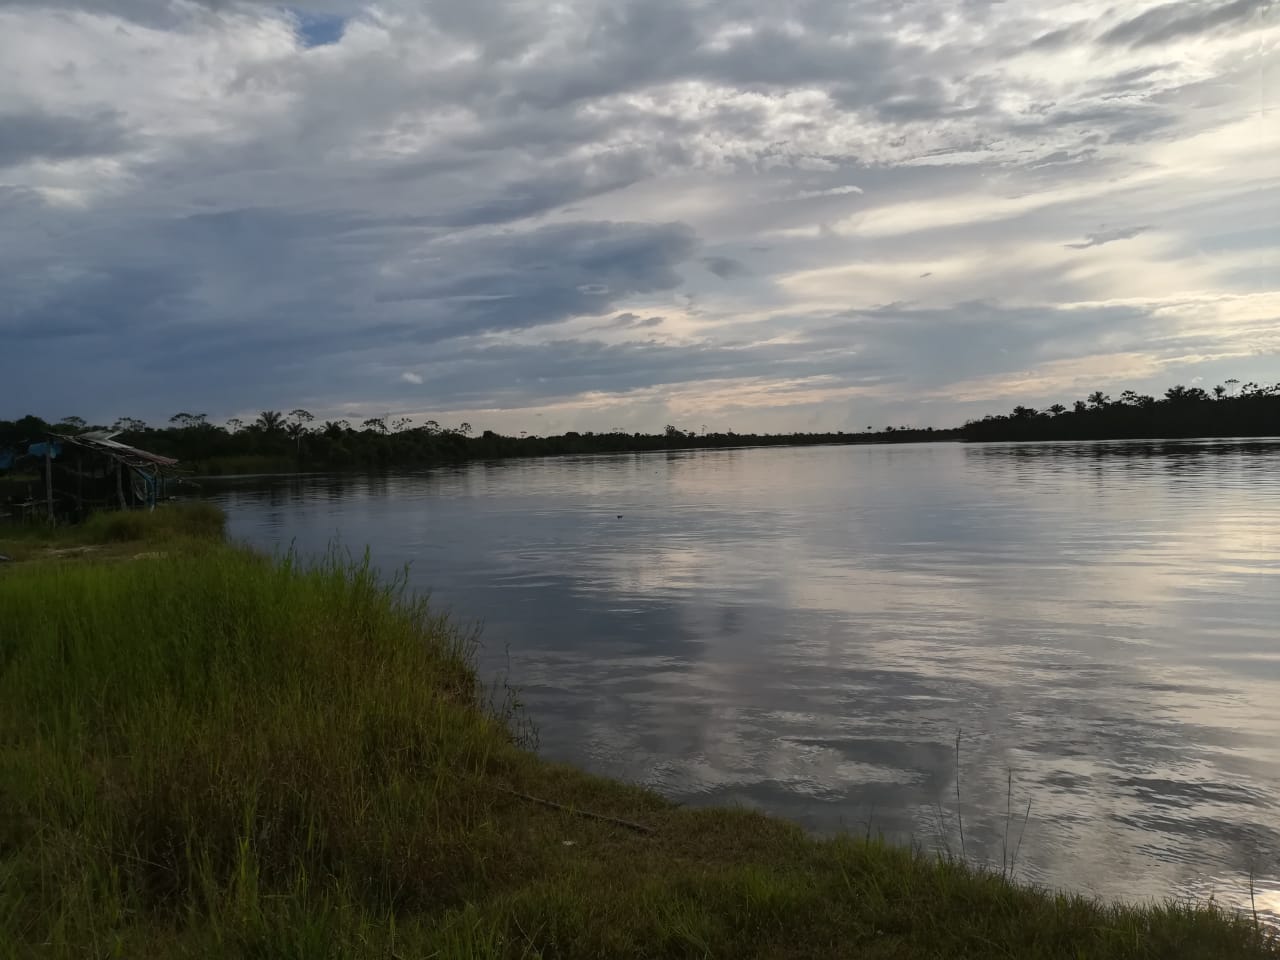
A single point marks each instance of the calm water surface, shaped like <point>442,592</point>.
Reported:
<point>807,630</point>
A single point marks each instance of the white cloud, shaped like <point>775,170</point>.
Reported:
<point>829,192</point>
<point>201,206</point>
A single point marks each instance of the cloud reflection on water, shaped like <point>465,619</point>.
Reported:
<point>806,630</point>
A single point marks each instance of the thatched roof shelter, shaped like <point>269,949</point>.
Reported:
<point>83,472</point>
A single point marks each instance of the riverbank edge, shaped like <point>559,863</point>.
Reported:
<point>204,751</point>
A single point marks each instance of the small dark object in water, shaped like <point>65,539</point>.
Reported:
<point>619,516</point>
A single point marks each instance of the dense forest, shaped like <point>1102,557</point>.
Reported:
<point>1228,410</point>
<point>276,440</point>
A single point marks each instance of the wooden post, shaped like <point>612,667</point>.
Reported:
<point>120,483</point>
<point>48,477</point>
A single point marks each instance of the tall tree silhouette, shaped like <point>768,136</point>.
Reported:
<point>270,421</point>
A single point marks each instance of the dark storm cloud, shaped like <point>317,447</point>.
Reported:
<point>162,14</point>
<point>1111,122</point>
<point>262,304</point>
<point>725,267</point>
<point>629,45</point>
<point>874,347</point>
<point>41,136</point>
<point>519,374</point>
<point>1061,37</point>
<point>119,299</point>
<point>271,361</point>
<point>629,321</point>
<point>1171,21</point>
<point>973,338</point>
<point>860,71</point>
<point>165,13</point>
<point>641,43</point>
<point>850,349</point>
<point>1129,80</point>
<point>18,200</point>
<point>1107,236</point>
<point>517,281</point>
<point>553,189</point>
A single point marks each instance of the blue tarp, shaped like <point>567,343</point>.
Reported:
<point>9,457</point>
<point>144,487</point>
<point>38,449</point>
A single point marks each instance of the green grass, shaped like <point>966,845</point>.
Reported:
<point>210,753</point>
<point>180,526</point>
<point>192,519</point>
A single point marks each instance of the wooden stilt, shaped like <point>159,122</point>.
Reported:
<point>48,477</point>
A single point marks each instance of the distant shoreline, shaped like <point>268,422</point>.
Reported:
<point>269,466</point>
<point>476,450</point>
<point>279,442</point>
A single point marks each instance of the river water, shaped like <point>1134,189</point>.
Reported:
<point>808,631</point>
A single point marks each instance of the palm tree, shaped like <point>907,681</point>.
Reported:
<point>1057,409</point>
<point>270,421</point>
<point>295,432</point>
<point>1098,399</point>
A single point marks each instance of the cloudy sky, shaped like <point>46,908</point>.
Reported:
<point>597,213</point>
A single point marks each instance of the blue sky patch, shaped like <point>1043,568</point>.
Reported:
<point>318,29</point>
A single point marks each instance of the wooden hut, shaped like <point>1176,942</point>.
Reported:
<point>80,473</point>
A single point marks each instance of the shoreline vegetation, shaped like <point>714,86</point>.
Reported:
<point>208,752</point>
<point>281,442</point>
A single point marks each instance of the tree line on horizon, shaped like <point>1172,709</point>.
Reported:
<point>1228,409</point>
<point>275,438</point>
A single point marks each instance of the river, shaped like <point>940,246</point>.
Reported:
<point>1088,632</point>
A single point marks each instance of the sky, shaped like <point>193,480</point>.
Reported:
<point>591,214</point>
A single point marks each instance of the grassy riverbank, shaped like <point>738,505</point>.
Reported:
<point>207,753</point>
